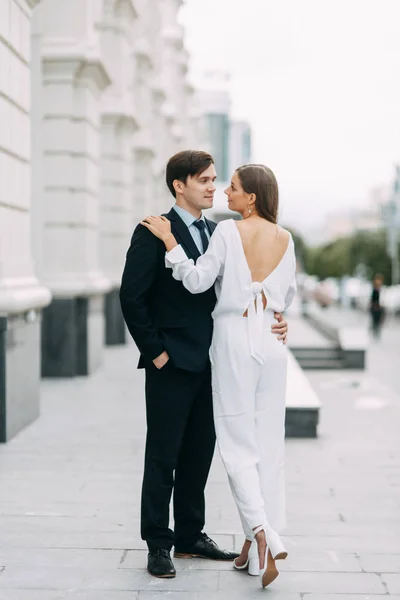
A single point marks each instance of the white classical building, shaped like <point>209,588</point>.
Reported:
<point>94,98</point>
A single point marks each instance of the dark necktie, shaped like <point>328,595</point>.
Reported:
<point>201,226</point>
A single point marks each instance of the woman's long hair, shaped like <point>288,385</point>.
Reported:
<point>260,180</point>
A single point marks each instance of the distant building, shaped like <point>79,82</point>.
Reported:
<point>344,223</point>
<point>216,108</point>
<point>228,140</point>
<point>240,148</point>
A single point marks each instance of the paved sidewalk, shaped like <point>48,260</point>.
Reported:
<point>70,492</point>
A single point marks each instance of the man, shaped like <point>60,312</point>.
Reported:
<point>172,329</point>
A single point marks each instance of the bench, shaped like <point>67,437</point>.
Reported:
<point>302,403</point>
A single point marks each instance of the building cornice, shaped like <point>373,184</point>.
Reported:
<point>169,111</point>
<point>119,17</point>
<point>143,50</point>
<point>78,284</point>
<point>127,8</point>
<point>65,61</point>
<point>32,3</point>
<point>143,143</point>
<point>174,36</point>
<point>18,296</point>
<point>121,116</point>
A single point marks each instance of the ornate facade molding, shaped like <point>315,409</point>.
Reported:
<point>63,61</point>
<point>32,3</point>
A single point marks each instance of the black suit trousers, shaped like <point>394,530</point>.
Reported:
<point>179,450</point>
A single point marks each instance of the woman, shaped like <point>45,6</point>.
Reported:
<point>252,263</point>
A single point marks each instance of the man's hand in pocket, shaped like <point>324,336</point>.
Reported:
<point>161,360</point>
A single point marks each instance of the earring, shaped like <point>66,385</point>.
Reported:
<point>250,211</point>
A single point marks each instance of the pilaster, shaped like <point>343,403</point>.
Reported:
<point>21,295</point>
<point>75,78</point>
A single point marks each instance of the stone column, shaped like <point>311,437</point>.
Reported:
<point>21,295</point>
<point>161,133</point>
<point>145,139</point>
<point>74,78</point>
<point>115,215</point>
<point>118,125</point>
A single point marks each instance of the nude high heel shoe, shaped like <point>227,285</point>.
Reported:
<point>275,551</point>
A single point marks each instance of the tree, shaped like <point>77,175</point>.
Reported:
<point>301,248</point>
<point>369,248</point>
<point>342,256</point>
<point>330,260</point>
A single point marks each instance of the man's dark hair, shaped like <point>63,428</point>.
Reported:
<point>186,163</point>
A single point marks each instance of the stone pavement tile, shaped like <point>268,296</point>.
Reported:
<point>137,559</point>
<point>323,561</point>
<point>65,595</point>
<point>364,514</point>
<point>170,595</point>
<point>339,528</point>
<point>392,583</point>
<point>339,583</point>
<point>128,510</point>
<point>348,544</point>
<point>298,517</point>
<point>102,579</point>
<point>37,524</point>
<point>380,563</point>
<point>60,557</point>
<point>134,559</point>
<point>41,508</point>
<point>348,597</point>
<point>253,591</point>
<point>49,539</point>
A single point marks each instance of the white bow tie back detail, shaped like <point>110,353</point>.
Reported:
<point>255,315</point>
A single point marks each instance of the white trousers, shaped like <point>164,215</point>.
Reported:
<point>249,413</point>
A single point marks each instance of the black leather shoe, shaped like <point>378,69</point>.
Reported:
<point>204,547</point>
<point>159,563</point>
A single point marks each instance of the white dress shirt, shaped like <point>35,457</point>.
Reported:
<point>189,219</point>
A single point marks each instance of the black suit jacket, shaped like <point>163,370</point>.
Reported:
<point>159,312</point>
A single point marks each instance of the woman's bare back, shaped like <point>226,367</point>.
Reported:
<point>264,245</point>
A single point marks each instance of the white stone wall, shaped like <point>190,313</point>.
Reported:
<point>19,287</point>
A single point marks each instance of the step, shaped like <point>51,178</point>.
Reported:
<point>333,363</point>
<point>317,353</point>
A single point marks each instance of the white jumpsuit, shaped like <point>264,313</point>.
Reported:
<point>248,370</point>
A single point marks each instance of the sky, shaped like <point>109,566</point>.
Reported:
<point>319,82</point>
